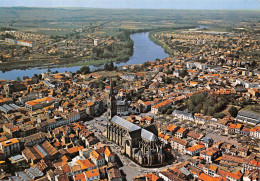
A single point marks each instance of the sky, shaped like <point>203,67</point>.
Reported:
<point>144,4</point>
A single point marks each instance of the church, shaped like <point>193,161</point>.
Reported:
<point>140,144</point>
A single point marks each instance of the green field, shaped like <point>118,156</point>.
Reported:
<point>73,18</point>
<point>64,23</point>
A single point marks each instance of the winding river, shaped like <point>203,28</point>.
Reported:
<point>144,50</point>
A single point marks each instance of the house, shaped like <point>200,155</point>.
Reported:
<point>195,171</point>
<point>33,139</point>
<point>195,149</point>
<point>207,141</point>
<point>238,128</point>
<point>168,176</point>
<point>231,128</point>
<point>182,132</point>
<point>255,132</point>
<point>251,175</point>
<point>183,115</point>
<point>10,147</point>
<point>30,155</point>
<point>40,151</point>
<point>243,151</point>
<point>122,107</point>
<point>210,170</point>
<point>92,175</point>
<point>251,164</point>
<point>91,140</point>
<point>25,43</point>
<point>178,144</point>
<point>90,109</point>
<point>97,158</point>
<point>195,136</point>
<point>193,83</point>
<point>152,177</point>
<point>114,174</point>
<point>39,103</point>
<point>158,107</point>
<point>226,147</point>
<point>146,106</point>
<point>86,165</point>
<point>87,176</point>
<point>154,85</point>
<point>190,65</point>
<point>163,138</point>
<point>74,151</point>
<point>237,176</point>
<point>172,128</point>
<point>158,68</point>
<point>245,131</point>
<point>129,77</point>
<point>147,120</point>
<point>210,154</point>
<point>205,177</point>
<point>109,155</point>
<point>176,73</point>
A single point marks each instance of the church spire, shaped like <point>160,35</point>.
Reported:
<point>112,110</point>
<point>111,92</point>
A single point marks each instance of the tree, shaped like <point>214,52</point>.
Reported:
<point>106,66</point>
<point>18,78</point>
<point>184,72</point>
<point>85,69</point>
<point>109,66</point>
<point>233,111</point>
<point>101,85</point>
<point>145,64</point>
<point>164,110</point>
<point>219,115</point>
<point>167,80</point>
<point>253,64</point>
<point>169,111</point>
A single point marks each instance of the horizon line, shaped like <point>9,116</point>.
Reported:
<point>126,8</point>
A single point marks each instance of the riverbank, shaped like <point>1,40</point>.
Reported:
<point>143,50</point>
<point>166,48</point>
<point>51,63</point>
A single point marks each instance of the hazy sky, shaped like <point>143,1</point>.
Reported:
<point>165,4</point>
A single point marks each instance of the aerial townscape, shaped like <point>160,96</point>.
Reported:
<point>92,94</point>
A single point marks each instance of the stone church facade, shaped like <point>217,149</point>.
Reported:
<point>140,144</point>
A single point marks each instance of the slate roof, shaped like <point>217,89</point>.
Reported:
<point>23,176</point>
<point>184,113</point>
<point>17,157</point>
<point>148,135</point>
<point>206,140</point>
<point>145,134</point>
<point>121,103</point>
<point>249,116</point>
<point>42,150</point>
<point>126,124</point>
<point>34,172</point>
<point>184,171</point>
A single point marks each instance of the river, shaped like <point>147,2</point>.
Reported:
<point>144,50</point>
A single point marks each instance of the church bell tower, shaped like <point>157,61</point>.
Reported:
<point>111,103</point>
